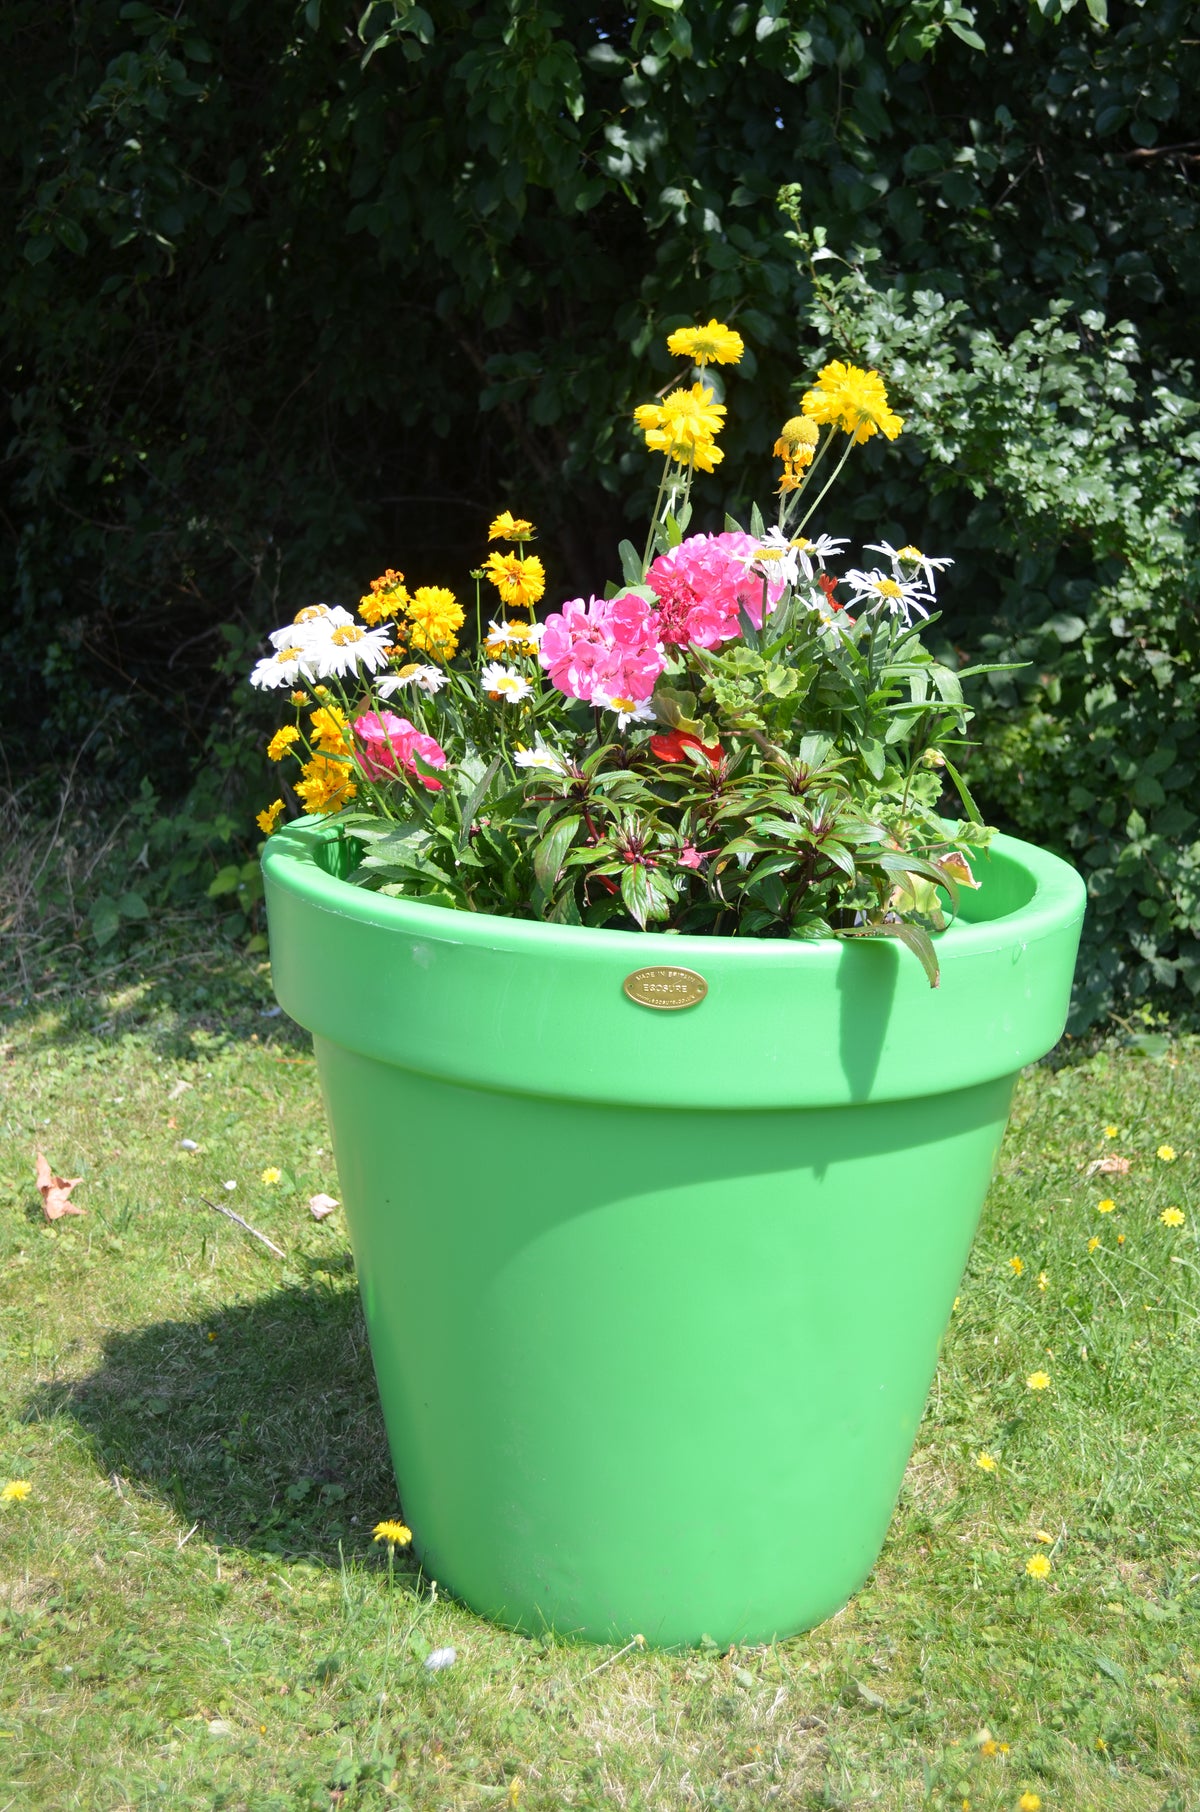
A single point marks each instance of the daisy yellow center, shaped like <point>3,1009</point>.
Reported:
<point>888,588</point>
<point>347,634</point>
<point>310,613</point>
<point>911,556</point>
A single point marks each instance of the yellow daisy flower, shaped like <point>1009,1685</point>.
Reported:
<point>282,740</point>
<point>1172,1217</point>
<point>853,400</point>
<point>436,617</point>
<point>268,819</point>
<point>326,786</point>
<point>507,527</point>
<point>520,582</point>
<point>715,344</point>
<point>684,426</point>
<point>329,729</point>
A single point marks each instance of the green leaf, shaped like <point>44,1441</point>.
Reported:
<point>105,918</point>
<point>132,906</point>
<point>549,853</point>
<point>475,799</point>
<point>226,880</point>
<point>632,569</point>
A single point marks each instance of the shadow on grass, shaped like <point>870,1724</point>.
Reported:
<point>261,1423</point>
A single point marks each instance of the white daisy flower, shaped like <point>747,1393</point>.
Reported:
<point>825,547</point>
<point>542,758</point>
<point>911,559</point>
<point>504,682</point>
<point>628,710</point>
<point>512,635</point>
<point>289,663</point>
<point>777,557</point>
<point>900,596</point>
<point>346,647</point>
<point>314,623</point>
<point>426,679</point>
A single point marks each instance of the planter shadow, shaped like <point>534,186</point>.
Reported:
<point>260,1422</point>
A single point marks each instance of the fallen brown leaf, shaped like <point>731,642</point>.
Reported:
<point>55,1191</point>
<point>321,1205</point>
<point>1108,1166</point>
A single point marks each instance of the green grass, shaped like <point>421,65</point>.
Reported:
<point>193,1614</point>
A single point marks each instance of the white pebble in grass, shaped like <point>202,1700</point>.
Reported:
<point>188,1145</point>
<point>231,1184</point>
<point>440,1658</point>
<point>220,1727</point>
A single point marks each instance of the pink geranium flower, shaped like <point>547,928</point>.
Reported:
<point>390,743</point>
<point>602,649</point>
<point>703,583</point>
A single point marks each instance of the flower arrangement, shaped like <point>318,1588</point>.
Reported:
<point>732,740</point>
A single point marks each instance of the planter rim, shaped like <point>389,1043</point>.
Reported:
<point>1056,894</point>
<point>528,1008</point>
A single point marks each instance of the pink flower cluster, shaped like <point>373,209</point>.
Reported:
<point>604,649</point>
<point>387,739</point>
<point>703,583</point>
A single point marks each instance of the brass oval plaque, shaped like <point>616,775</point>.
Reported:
<point>665,987</point>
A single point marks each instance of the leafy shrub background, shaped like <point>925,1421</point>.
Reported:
<point>289,293</point>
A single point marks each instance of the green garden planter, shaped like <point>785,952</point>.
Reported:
<point>655,1291</point>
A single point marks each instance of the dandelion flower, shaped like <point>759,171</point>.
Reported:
<point>15,1491</point>
<point>853,400</point>
<point>268,819</point>
<point>1106,1206</point>
<point>282,740</point>
<point>1112,1132</point>
<point>520,582</point>
<point>1166,1153</point>
<point>1093,1243</point>
<point>271,1175</point>
<point>985,1462</point>
<point>1016,1266</point>
<point>396,1534</point>
<point>1172,1217</point>
<point>1120,1239</point>
<point>1038,1381</point>
<point>715,344</point>
<point>1029,1802</point>
<point>1038,1566</point>
<point>507,527</point>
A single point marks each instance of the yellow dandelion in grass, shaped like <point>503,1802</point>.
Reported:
<point>281,742</point>
<point>853,400</point>
<point>985,1462</point>
<point>268,819</point>
<point>1106,1206</point>
<point>715,344</point>
<point>989,1746</point>
<point>1172,1217</point>
<point>1112,1132</point>
<point>1093,1242</point>
<point>271,1176</point>
<point>1043,1280</point>
<point>515,1788</point>
<point>1167,1153</point>
<point>15,1492</point>
<point>1016,1266</point>
<point>1120,1239</point>
<point>1038,1381</point>
<point>519,582</point>
<point>397,1535</point>
<point>1029,1802</point>
<point>1038,1566</point>
<point>507,527</point>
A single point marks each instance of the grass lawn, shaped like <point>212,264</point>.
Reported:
<point>193,1613</point>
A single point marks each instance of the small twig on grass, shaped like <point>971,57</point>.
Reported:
<point>222,1209</point>
<point>638,1642</point>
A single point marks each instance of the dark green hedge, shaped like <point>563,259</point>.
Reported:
<point>292,292</point>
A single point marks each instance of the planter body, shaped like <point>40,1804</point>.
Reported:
<point>655,1297</point>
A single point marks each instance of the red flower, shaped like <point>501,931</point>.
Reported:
<point>673,745</point>
<point>829,585</point>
